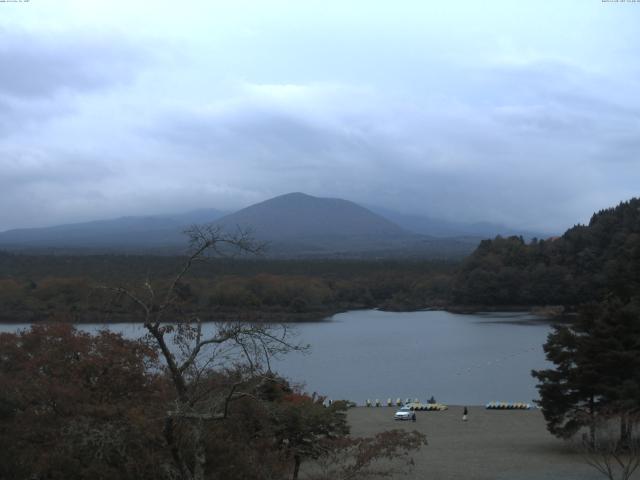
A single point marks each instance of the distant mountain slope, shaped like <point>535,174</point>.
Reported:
<point>293,225</point>
<point>120,233</point>
<point>297,216</point>
<point>444,228</point>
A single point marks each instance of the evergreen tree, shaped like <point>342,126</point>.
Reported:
<point>597,369</point>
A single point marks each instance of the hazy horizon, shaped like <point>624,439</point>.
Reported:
<point>524,114</point>
<point>377,209</point>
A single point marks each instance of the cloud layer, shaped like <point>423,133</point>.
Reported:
<point>461,114</point>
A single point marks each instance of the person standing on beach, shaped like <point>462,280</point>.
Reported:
<point>465,412</point>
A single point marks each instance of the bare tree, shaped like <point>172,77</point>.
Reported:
<point>613,447</point>
<point>385,455</point>
<point>192,350</point>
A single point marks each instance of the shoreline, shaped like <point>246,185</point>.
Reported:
<point>547,312</point>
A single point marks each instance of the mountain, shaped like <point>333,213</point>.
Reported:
<point>297,224</point>
<point>292,225</point>
<point>125,233</point>
<point>300,225</point>
<point>299,216</point>
<point>444,228</point>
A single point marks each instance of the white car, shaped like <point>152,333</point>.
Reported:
<point>405,413</point>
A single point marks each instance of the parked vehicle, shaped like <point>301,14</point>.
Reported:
<point>405,413</point>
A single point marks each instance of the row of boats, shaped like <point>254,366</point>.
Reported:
<point>508,406</point>
<point>412,404</point>
<point>434,406</point>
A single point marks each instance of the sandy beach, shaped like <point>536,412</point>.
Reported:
<point>491,445</point>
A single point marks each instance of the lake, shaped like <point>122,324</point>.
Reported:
<point>369,354</point>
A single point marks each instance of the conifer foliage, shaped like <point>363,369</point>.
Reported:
<point>585,264</point>
<point>597,370</point>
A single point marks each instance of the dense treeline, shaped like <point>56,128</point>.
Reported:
<point>585,264</point>
<point>36,288</point>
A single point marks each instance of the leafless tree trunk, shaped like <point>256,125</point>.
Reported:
<point>615,451</point>
<point>296,467</point>
<point>197,352</point>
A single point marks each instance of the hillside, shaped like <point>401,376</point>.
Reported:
<point>437,227</point>
<point>125,233</point>
<point>585,264</point>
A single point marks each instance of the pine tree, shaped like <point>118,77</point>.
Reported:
<point>597,369</point>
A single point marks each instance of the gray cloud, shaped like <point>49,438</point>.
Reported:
<point>20,115</point>
<point>36,66</point>
<point>497,162</point>
<point>45,76</point>
<point>490,120</point>
<point>42,184</point>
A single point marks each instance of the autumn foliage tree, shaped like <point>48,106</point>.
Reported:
<point>188,401</point>
<point>74,405</point>
<point>303,425</point>
<point>310,433</point>
<point>385,454</point>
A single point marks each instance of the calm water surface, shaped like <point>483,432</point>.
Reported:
<point>459,359</point>
<point>368,354</point>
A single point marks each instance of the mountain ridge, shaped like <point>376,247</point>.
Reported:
<point>293,224</point>
<point>298,215</point>
<point>153,230</point>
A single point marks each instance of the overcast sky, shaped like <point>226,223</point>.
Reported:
<point>520,112</point>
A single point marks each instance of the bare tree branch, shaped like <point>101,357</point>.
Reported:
<point>242,344</point>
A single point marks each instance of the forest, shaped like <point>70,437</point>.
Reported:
<point>36,288</point>
<point>585,264</point>
<point>582,265</point>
